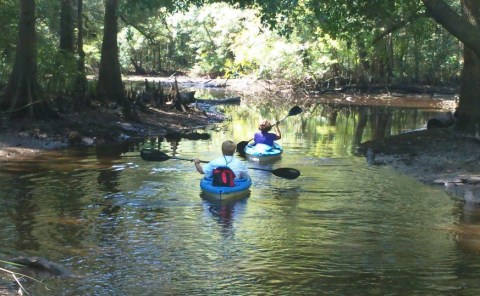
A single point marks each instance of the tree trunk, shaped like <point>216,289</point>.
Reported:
<point>67,26</point>
<point>363,57</point>
<point>390,57</point>
<point>21,97</point>
<point>81,99</point>
<point>110,86</point>
<point>468,111</point>
<point>466,29</point>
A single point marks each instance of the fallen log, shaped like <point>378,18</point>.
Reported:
<point>234,100</point>
<point>38,264</point>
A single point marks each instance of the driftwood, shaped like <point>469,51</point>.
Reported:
<point>331,86</point>
<point>235,100</point>
<point>187,97</point>
<point>38,264</point>
<point>32,267</point>
<point>139,70</point>
<point>181,100</point>
<point>459,180</point>
<point>196,136</point>
<point>215,85</point>
<point>10,289</point>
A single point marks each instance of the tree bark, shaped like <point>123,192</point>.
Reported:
<point>81,99</point>
<point>466,29</point>
<point>110,86</point>
<point>67,26</point>
<point>22,94</point>
<point>468,111</point>
<point>364,62</point>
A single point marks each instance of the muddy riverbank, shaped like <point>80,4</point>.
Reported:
<point>438,157</point>
<point>96,126</point>
<point>102,125</point>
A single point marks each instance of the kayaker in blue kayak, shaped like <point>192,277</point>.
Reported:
<point>228,149</point>
<point>264,136</point>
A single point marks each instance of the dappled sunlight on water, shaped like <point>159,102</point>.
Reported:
<point>133,227</point>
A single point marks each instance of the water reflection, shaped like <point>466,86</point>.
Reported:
<point>226,213</point>
<point>329,128</point>
<point>134,227</point>
<point>23,213</point>
<point>467,231</point>
<point>360,123</point>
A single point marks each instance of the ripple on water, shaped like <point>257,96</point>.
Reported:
<point>341,228</point>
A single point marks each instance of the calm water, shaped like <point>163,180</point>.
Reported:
<point>130,227</point>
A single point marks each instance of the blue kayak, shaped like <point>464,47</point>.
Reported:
<point>263,153</point>
<point>240,189</point>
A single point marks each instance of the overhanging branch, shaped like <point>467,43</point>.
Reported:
<point>454,23</point>
<point>150,37</point>
<point>396,26</point>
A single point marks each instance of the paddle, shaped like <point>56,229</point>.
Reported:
<point>294,111</point>
<point>155,155</point>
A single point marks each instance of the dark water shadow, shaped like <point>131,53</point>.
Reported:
<point>226,213</point>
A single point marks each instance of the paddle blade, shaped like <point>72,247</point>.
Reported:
<point>287,173</point>
<point>295,111</point>
<point>153,155</point>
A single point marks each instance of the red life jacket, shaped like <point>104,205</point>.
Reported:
<point>223,177</point>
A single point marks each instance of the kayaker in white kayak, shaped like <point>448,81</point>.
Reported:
<point>264,136</point>
<point>228,149</point>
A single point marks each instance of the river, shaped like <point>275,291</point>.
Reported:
<point>125,226</point>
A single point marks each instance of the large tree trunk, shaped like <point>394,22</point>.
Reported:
<point>364,62</point>
<point>469,108</point>
<point>21,97</point>
<point>468,111</point>
<point>81,99</point>
<point>466,28</point>
<point>67,26</point>
<point>110,86</point>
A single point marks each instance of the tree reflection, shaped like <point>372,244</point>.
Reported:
<point>468,230</point>
<point>225,213</point>
<point>23,215</point>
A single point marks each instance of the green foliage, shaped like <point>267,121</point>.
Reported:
<point>48,16</point>
<point>56,70</point>
<point>399,41</point>
<point>302,42</point>
<point>211,35</point>
<point>431,56</point>
<point>8,29</point>
<point>242,45</point>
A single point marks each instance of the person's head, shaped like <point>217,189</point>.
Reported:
<point>264,125</point>
<point>228,148</point>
